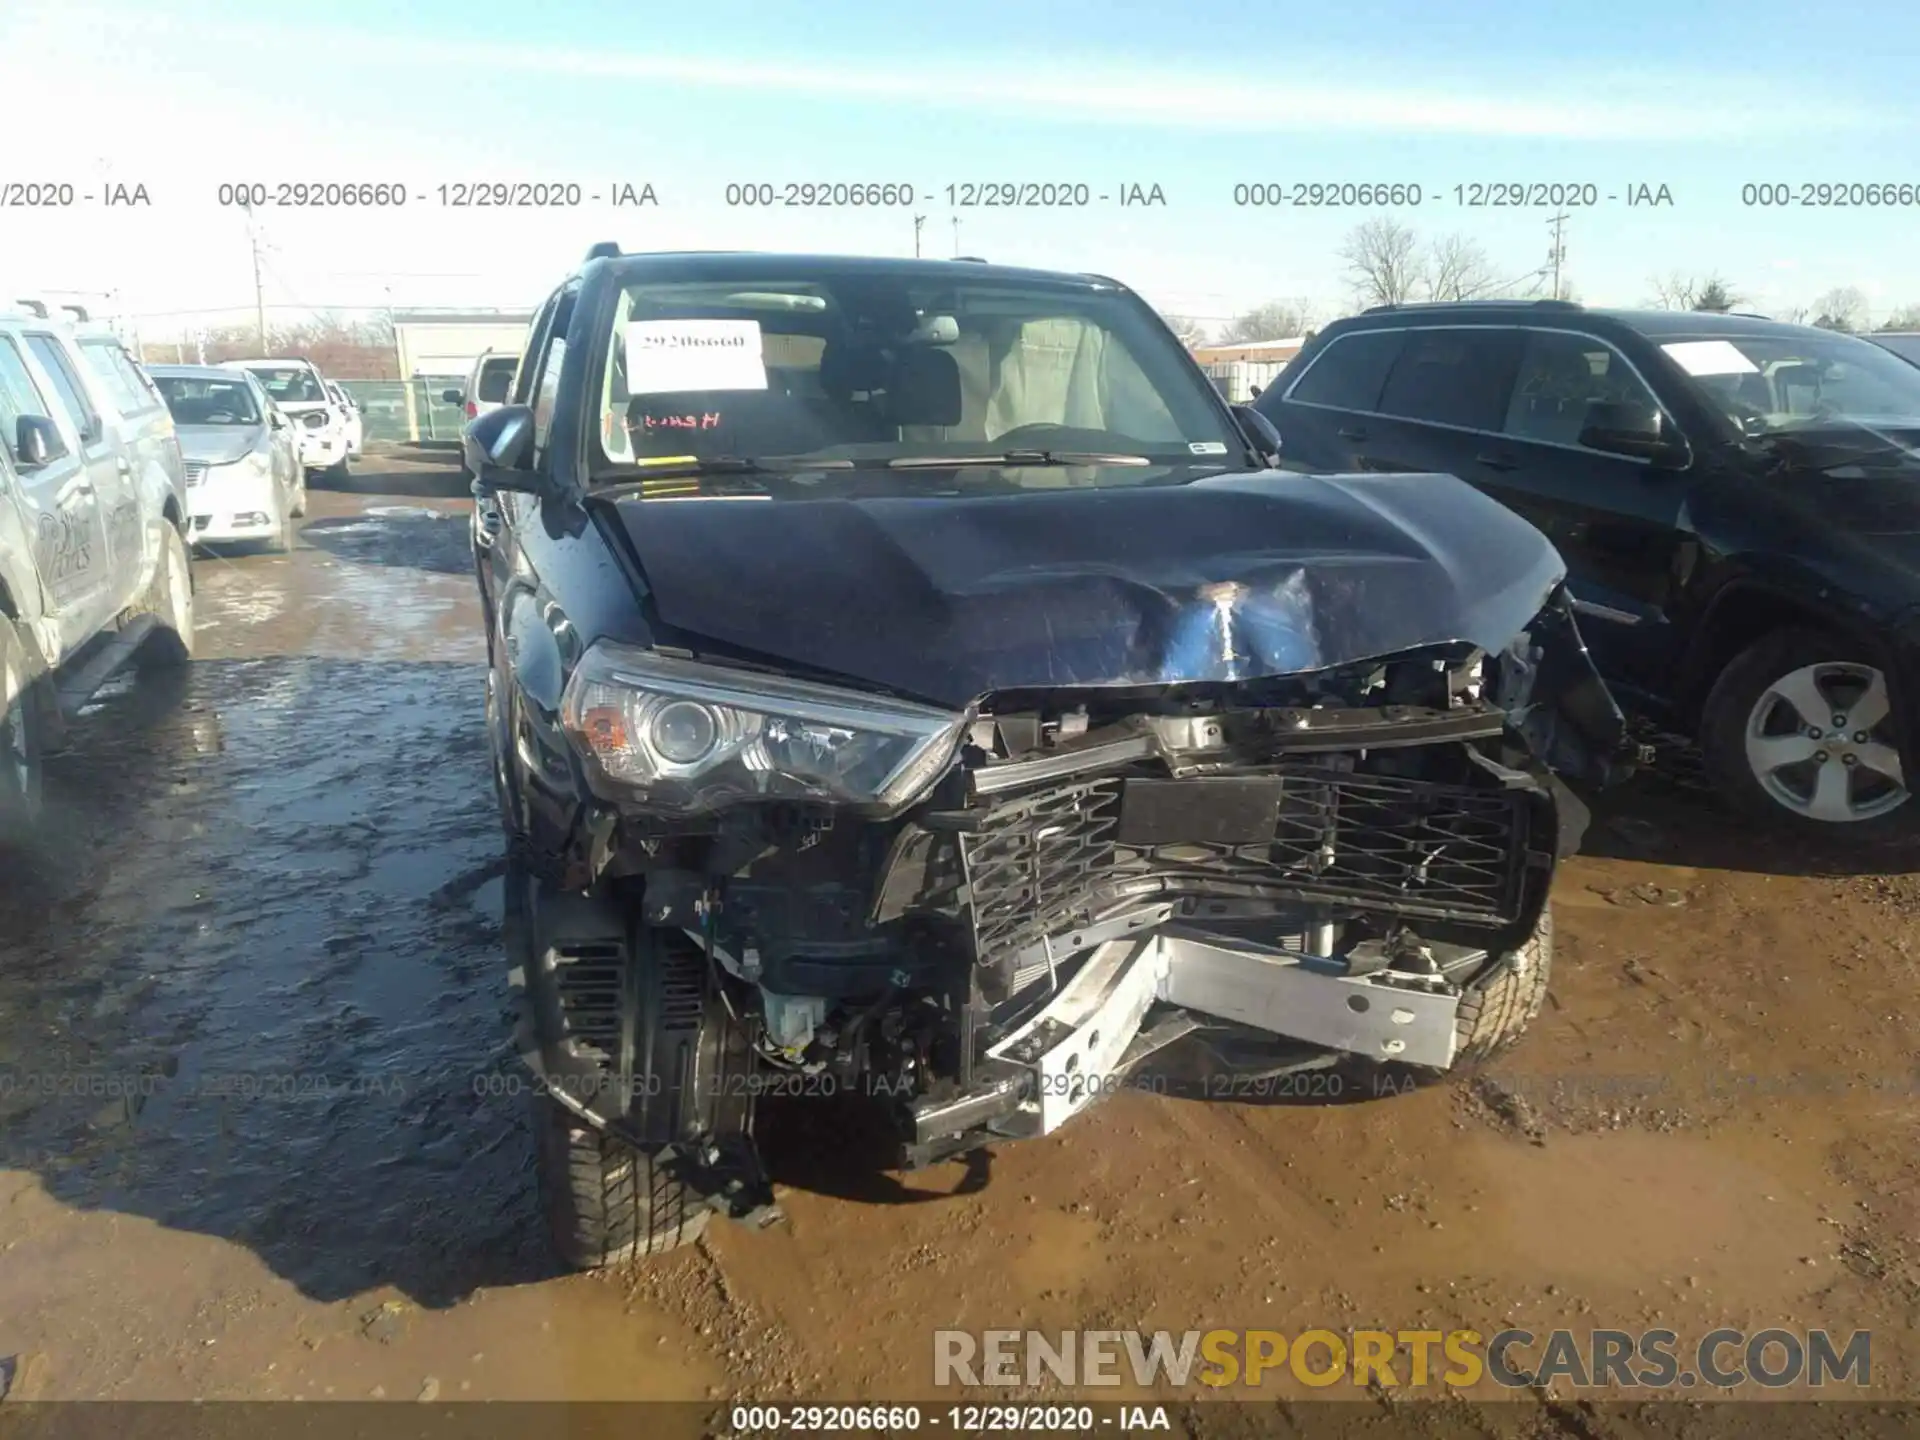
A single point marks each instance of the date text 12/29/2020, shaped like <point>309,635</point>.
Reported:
<point>1056,1419</point>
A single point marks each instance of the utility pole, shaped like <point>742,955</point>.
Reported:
<point>1557,256</point>
<point>956,235</point>
<point>259,296</point>
<point>919,221</point>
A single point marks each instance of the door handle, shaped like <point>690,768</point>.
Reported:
<point>1497,462</point>
<point>1354,434</point>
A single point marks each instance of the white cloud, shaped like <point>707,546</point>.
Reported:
<point>1355,94</point>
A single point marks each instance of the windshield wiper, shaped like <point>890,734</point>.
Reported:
<point>739,465</point>
<point>681,467</point>
<point>1020,457</point>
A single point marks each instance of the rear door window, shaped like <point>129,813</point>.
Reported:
<point>1349,373</point>
<point>67,386</point>
<point>1460,377</point>
<point>496,376</point>
<point>110,368</point>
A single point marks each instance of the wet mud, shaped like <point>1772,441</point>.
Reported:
<point>261,1134</point>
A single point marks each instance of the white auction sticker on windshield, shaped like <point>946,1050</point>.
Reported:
<point>1206,447</point>
<point>668,355</point>
<point>1710,357</point>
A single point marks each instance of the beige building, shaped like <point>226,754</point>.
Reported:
<point>1262,352</point>
<point>443,344</point>
<point>1240,372</point>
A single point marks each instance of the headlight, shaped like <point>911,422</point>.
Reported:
<point>252,465</point>
<point>314,420</point>
<point>684,738</point>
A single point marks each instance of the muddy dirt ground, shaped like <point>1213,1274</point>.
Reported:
<point>273,916</point>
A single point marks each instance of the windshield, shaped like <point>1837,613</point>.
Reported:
<point>195,400</point>
<point>289,384</point>
<point>872,367</point>
<point>1778,383</point>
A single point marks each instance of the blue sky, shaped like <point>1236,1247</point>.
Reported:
<point>1701,99</point>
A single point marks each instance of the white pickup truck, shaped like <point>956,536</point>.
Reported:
<point>94,571</point>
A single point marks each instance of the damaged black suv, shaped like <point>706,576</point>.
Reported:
<point>908,679</point>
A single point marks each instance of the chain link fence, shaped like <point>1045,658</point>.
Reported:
<point>409,410</point>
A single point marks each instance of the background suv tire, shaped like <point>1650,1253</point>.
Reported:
<point>1798,732</point>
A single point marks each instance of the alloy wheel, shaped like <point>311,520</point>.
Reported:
<point>1819,741</point>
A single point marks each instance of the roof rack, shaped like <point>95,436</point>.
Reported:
<point>1450,304</point>
<point>79,313</point>
<point>603,250</point>
<point>33,307</point>
<point>972,259</point>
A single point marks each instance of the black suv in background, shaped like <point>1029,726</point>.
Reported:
<point>1904,343</point>
<point>1736,501</point>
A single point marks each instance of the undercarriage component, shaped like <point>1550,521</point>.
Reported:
<point>1077,1048</point>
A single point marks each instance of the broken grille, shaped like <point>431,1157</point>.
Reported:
<point>1048,861</point>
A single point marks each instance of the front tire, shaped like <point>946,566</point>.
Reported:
<point>1798,733</point>
<point>1495,1013</point>
<point>606,1200</point>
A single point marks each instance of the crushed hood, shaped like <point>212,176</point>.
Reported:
<point>1233,577</point>
<point>216,444</point>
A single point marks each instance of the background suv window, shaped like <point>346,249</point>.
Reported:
<point>18,394</point>
<point>1349,373</point>
<point>496,378</point>
<point>1561,375</point>
<point>67,385</point>
<point>103,357</point>
<point>1453,377</point>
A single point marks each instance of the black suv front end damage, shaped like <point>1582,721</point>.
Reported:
<point>909,681</point>
<point>1238,876</point>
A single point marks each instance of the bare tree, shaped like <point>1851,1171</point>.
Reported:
<point>1842,308</point>
<point>1677,291</point>
<point>343,349</point>
<point>1383,260</point>
<point>1457,268</point>
<point>1907,317</point>
<point>1190,331</point>
<point>1275,320</point>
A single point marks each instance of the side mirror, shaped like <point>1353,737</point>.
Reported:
<point>277,420</point>
<point>1638,432</point>
<point>498,448</point>
<point>453,397</point>
<point>1260,432</point>
<point>37,442</point>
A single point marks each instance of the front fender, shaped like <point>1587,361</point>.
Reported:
<point>1554,696</point>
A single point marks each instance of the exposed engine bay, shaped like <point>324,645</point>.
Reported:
<point>1275,872</point>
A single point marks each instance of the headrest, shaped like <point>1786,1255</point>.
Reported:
<point>846,368</point>
<point>925,388</point>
